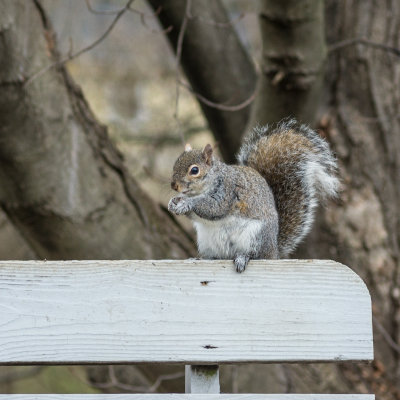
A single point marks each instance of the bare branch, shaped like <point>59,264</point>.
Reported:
<point>112,383</point>
<point>115,383</point>
<point>162,378</point>
<point>178,62</point>
<point>84,50</point>
<point>189,16</point>
<point>143,16</point>
<point>207,50</point>
<point>220,106</point>
<point>350,42</point>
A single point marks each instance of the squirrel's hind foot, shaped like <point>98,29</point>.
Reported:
<point>241,262</point>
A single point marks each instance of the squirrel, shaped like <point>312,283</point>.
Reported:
<point>263,207</point>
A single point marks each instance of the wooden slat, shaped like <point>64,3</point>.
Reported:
<point>193,312</point>
<point>165,396</point>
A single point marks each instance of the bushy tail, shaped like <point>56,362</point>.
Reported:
<point>300,168</point>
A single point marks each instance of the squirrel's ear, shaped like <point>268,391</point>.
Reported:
<point>208,154</point>
<point>188,147</point>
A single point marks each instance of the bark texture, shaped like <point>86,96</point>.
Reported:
<point>362,124</point>
<point>359,102</point>
<point>292,62</point>
<point>215,63</point>
<point>63,183</point>
<point>12,244</point>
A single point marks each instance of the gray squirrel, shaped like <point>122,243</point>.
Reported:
<point>263,207</point>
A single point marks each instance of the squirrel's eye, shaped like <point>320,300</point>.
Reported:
<point>194,170</point>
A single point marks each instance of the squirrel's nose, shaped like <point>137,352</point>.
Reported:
<point>174,186</point>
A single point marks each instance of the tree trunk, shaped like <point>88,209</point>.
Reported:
<point>363,125</point>
<point>360,106</point>
<point>63,183</point>
<point>12,244</point>
<point>216,64</point>
<point>292,62</point>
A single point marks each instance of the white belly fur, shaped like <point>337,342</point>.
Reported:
<point>227,237</point>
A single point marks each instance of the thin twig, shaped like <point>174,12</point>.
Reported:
<point>365,42</point>
<point>162,378</point>
<point>84,50</point>
<point>220,106</point>
<point>115,383</point>
<point>386,335</point>
<point>143,16</point>
<point>178,62</point>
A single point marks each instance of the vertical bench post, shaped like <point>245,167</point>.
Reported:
<point>202,379</point>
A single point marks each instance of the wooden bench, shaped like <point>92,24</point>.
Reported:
<point>198,313</point>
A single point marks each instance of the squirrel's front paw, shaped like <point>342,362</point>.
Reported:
<point>179,205</point>
<point>241,262</point>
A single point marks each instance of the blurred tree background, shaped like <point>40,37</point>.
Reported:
<point>88,139</point>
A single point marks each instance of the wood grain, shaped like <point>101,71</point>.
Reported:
<point>193,312</point>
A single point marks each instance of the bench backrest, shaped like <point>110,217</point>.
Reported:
<point>189,312</point>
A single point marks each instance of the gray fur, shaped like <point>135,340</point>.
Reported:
<point>224,231</point>
<point>315,178</point>
<point>256,211</point>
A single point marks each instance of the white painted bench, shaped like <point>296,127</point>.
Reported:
<point>198,313</point>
